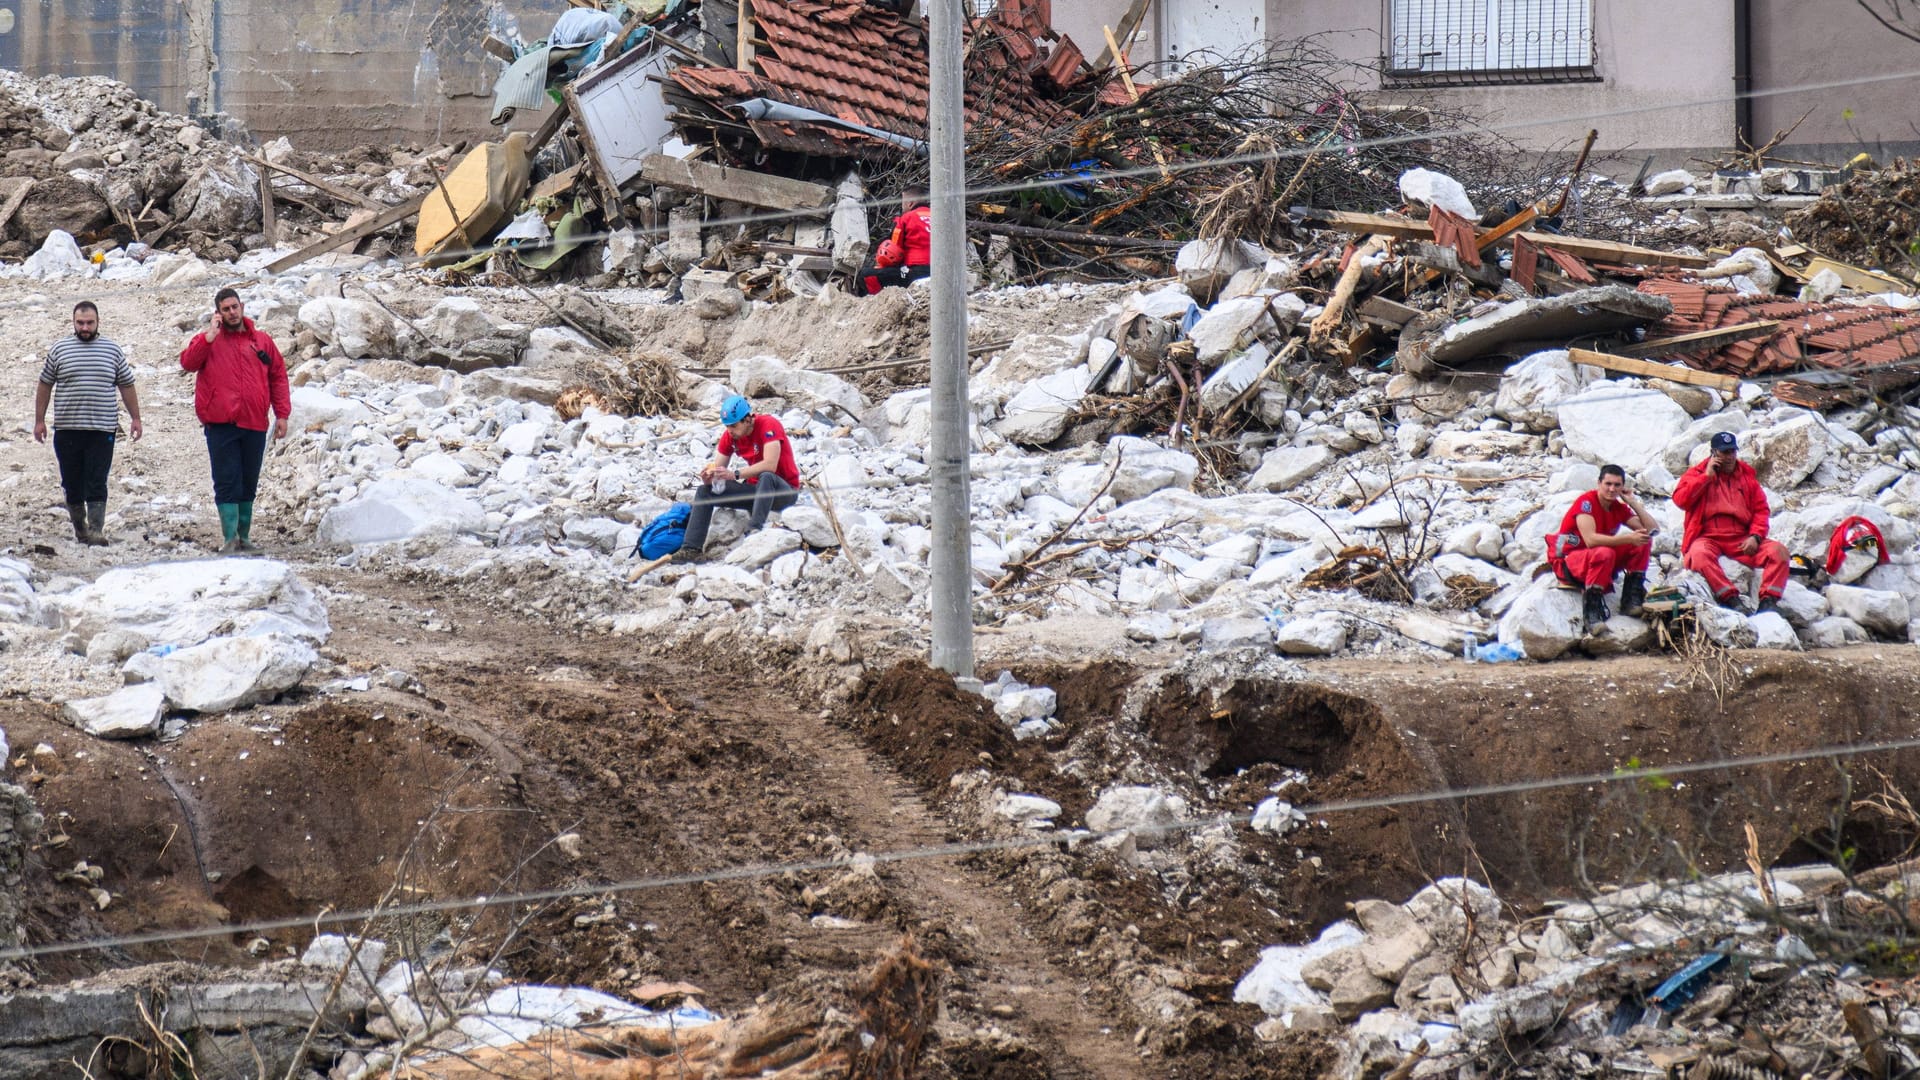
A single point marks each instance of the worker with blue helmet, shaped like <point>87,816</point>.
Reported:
<point>768,481</point>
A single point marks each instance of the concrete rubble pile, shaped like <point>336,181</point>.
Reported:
<point>1229,543</point>
<point>351,1012</point>
<point>1647,978</point>
<point>95,169</point>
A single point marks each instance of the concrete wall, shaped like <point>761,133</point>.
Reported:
<point>325,73</point>
<point>1666,71</point>
<point>1796,44</point>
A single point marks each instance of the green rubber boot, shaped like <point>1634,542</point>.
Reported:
<point>243,539</point>
<point>229,526</point>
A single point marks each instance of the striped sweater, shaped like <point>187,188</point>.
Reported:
<point>85,376</point>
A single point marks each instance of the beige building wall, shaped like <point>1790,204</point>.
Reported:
<point>1797,44</point>
<point>1665,68</point>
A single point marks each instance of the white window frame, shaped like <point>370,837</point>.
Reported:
<point>1466,37</point>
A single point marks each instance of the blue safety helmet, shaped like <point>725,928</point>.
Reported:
<point>735,409</point>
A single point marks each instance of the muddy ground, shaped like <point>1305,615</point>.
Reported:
<point>495,753</point>
<point>518,735</point>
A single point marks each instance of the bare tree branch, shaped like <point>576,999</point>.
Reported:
<point>1897,17</point>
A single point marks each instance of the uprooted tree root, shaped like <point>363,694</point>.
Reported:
<point>644,384</point>
<point>1369,571</point>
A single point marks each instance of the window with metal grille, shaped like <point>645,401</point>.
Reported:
<point>1489,40</point>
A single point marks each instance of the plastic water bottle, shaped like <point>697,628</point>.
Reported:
<point>1471,646</point>
<point>719,485</point>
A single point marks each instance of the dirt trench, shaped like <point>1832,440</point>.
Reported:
<point>1053,958</point>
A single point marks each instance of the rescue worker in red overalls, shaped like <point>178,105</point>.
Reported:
<point>1727,516</point>
<point>907,255</point>
<point>1590,547</point>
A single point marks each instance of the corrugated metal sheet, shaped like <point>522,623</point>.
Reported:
<point>522,87</point>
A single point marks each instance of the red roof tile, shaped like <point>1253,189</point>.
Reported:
<point>847,59</point>
<point>1878,345</point>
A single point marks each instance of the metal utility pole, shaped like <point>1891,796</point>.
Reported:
<point>951,558</point>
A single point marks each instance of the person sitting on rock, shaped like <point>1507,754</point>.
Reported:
<point>1727,517</point>
<point>906,256</point>
<point>769,481</point>
<point>1590,547</point>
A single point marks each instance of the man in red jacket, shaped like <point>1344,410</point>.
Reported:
<point>906,256</point>
<point>240,376</point>
<point>1591,547</point>
<point>1727,517</point>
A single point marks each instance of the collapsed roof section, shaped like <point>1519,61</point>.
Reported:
<point>858,65</point>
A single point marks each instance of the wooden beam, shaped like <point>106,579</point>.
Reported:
<point>394,215</point>
<point>1065,236</point>
<point>761,190</point>
<point>1704,339</point>
<point>1622,254</point>
<point>1370,224</point>
<point>1628,365</point>
<point>1129,24</point>
<point>559,182</point>
<point>344,194</point>
<point>1863,281</point>
<point>743,36</point>
<point>269,222</point>
<point>1388,311</point>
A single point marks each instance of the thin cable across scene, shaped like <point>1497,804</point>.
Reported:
<point>327,917</point>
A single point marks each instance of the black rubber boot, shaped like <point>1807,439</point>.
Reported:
<point>1633,594</point>
<point>77,512</point>
<point>97,524</point>
<point>1768,603</point>
<point>1596,607</point>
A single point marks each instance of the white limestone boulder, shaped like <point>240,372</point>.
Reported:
<point>184,603</point>
<point>360,329</point>
<point>1041,411</point>
<point>1145,467</point>
<point>1531,391</point>
<point>759,375</point>
<point>400,508</point>
<point>1878,611</point>
<point>1786,454</point>
<point>1609,423</point>
<point>1545,621</point>
<point>131,712</point>
<point>1287,467</point>
<point>1320,634</point>
<point>314,406</point>
<point>227,673</point>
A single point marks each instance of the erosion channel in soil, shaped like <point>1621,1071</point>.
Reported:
<point>578,764</point>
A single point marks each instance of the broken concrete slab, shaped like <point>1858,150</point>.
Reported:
<point>1527,325</point>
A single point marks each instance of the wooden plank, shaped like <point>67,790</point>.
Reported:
<point>735,185</point>
<point>394,215</point>
<point>1129,24</point>
<point>1507,228</point>
<point>609,187</point>
<point>768,247</point>
<point>1622,254</point>
<point>344,194</point>
<point>743,36</point>
<point>269,223</point>
<point>1648,369</point>
<point>1704,339</point>
<point>559,182</point>
<point>1369,224</point>
<point>1388,311</point>
<point>1853,277</point>
<point>1065,236</point>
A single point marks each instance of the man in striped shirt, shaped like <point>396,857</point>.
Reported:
<point>80,377</point>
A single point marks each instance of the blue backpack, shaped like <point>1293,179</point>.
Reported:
<point>663,534</point>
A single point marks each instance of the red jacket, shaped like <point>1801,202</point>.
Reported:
<point>234,386</point>
<point>1729,508</point>
<point>913,232</point>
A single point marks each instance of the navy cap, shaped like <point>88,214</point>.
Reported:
<point>1724,440</point>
